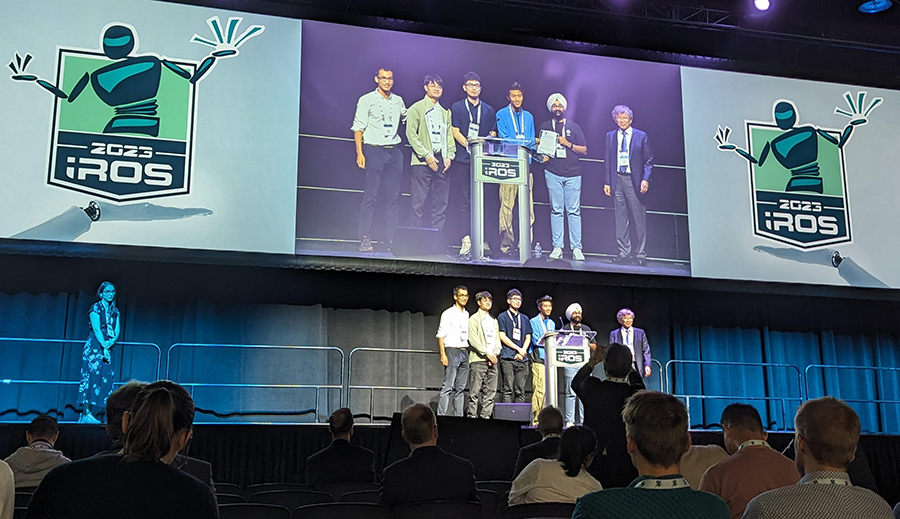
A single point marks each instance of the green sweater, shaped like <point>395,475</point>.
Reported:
<point>418,136</point>
<point>642,503</point>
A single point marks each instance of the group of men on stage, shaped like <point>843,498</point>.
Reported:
<point>485,354</point>
<point>440,176</point>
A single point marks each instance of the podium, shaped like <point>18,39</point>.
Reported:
<point>499,161</point>
<point>563,349</point>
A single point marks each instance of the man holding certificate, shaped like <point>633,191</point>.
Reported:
<point>561,143</point>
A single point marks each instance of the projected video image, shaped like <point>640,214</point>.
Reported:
<point>588,151</point>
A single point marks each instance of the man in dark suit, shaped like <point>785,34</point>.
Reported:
<point>428,473</point>
<point>635,339</point>
<point>340,462</point>
<point>629,163</point>
<point>550,425</point>
<point>119,402</point>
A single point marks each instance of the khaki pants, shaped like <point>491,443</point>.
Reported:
<point>508,197</point>
<point>537,397</point>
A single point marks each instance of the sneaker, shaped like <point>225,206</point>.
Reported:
<point>570,424</point>
<point>88,418</point>
<point>466,246</point>
<point>365,245</point>
<point>578,255</point>
<point>557,253</point>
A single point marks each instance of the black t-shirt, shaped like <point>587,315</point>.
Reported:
<point>462,113</point>
<point>104,487</point>
<point>568,166</point>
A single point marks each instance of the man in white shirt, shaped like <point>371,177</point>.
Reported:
<point>7,491</point>
<point>453,341</point>
<point>484,351</point>
<point>375,124</point>
<point>635,339</point>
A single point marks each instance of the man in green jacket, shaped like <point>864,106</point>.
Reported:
<point>428,130</point>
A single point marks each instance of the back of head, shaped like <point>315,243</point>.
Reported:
<point>743,417</point>
<point>43,428</point>
<point>418,423</point>
<point>575,447</point>
<point>118,402</point>
<point>340,422</point>
<point>657,423</point>
<point>618,360</point>
<point>830,429</point>
<point>550,421</point>
<point>160,410</point>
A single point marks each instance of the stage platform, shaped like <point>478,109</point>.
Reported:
<point>249,454</point>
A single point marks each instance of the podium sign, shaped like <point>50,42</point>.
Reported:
<point>498,161</point>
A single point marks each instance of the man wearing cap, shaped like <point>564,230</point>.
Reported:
<point>629,163</point>
<point>562,172</point>
<point>573,314</point>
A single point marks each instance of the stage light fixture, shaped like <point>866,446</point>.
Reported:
<point>762,5</point>
<point>875,6</point>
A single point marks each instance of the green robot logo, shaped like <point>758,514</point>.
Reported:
<point>798,179</point>
<point>125,129</point>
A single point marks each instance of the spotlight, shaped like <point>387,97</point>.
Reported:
<point>874,6</point>
<point>762,5</point>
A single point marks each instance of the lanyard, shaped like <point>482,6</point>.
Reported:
<point>563,132</point>
<point>543,325</point>
<point>663,484</point>
<point>478,119</point>
<point>385,120</point>
<point>512,114</point>
<point>753,443</point>
<point>518,319</point>
<point>620,380</point>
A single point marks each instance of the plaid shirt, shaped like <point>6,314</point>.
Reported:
<point>809,500</point>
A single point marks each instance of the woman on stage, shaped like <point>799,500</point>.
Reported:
<point>97,370</point>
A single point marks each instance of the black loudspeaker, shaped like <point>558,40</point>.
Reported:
<point>414,241</point>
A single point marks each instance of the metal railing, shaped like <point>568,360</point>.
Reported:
<point>662,374</point>
<point>764,365</point>
<point>63,342</point>
<point>317,387</point>
<point>876,369</point>
<point>372,388</point>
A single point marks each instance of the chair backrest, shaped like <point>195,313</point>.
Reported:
<point>266,487</point>
<point>365,496</point>
<point>229,488</point>
<point>497,486</point>
<point>490,502</point>
<point>438,510</point>
<point>226,499</point>
<point>253,511</point>
<point>22,499</point>
<point>542,510</point>
<point>291,499</point>
<point>19,512</point>
<point>342,510</point>
<point>339,489</point>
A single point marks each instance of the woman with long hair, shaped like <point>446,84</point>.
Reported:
<point>138,484</point>
<point>97,369</point>
<point>563,480</point>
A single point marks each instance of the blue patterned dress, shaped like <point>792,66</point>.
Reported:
<point>97,376</point>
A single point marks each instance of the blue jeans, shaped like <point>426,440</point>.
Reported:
<point>571,398</point>
<point>565,195</point>
<point>456,374</point>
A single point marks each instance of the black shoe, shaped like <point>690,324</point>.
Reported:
<point>621,260</point>
<point>640,262</point>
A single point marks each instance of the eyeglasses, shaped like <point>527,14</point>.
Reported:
<point>473,85</point>
<point>108,292</point>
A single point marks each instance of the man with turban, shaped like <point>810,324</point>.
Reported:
<point>574,314</point>
<point>562,172</point>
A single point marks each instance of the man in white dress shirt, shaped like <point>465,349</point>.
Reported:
<point>453,340</point>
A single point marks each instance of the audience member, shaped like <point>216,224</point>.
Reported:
<point>753,466</point>
<point>428,473</point>
<point>340,462</point>
<point>7,491</point>
<point>118,403</point>
<point>897,511</point>
<point>550,425</point>
<point>30,464</point>
<point>657,437</point>
<point>825,440</point>
<point>603,403</point>
<point>140,483</point>
<point>697,460</point>
<point>559,481</point>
